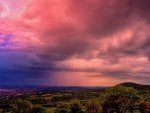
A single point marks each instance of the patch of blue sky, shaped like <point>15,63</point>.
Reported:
<point>6,40</point>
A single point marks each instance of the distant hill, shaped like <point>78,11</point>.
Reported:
<point>36,88</point>
<point>135,85</point>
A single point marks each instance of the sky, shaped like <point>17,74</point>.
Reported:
<point>74,42</point>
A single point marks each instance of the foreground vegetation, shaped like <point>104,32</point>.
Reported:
<point>119,99</point>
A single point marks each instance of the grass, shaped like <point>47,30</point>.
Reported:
<point>50,109</point>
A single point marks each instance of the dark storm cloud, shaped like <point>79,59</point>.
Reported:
<point>78,29</point>
<point>94,19</point>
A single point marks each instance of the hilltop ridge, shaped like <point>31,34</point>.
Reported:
<point>135,85</point>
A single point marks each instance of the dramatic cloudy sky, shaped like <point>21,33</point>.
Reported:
<point>74,42</point>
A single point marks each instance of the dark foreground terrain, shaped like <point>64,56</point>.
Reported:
<point>123,98</point>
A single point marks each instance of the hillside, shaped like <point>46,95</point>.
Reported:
<point>135,85</point>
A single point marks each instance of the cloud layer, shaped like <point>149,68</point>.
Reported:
<point>92,42</point>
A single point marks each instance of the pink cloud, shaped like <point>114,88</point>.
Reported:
<point>109,38</point>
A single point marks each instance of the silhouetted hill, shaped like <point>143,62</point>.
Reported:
<point>136,86</point>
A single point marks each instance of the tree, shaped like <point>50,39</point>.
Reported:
<point>22,106</point>
<point>38,109</point>
<point>145,107</point>
<point>93,107</point>
<point>121,99</point>
<point>75,107</point>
